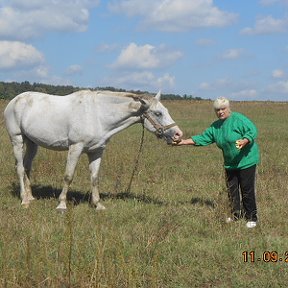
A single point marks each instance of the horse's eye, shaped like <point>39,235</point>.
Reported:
<point>158,113</point>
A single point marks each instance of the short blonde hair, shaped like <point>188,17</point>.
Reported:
<point>221,102</point>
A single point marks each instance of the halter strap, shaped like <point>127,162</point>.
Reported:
<point>160,129</point>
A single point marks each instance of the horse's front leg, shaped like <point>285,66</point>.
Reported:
<point>94,166</point>
<point>74,154</point>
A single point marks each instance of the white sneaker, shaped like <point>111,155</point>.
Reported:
<point>251,224</point>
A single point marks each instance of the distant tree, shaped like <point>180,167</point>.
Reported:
<point>2,89</point>
<point>11,89</point>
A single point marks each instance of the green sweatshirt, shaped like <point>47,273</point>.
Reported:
<point>225,133</point>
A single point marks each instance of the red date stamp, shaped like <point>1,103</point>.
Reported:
<point>266,256</point>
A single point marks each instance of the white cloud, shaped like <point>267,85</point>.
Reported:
<point>175,15</point>
<point>74,69</point>
<point>17,54</point>
<point>278,73</point>
<point>27,19</point>
<point>144,80</point>
<point>279,87</point>
<point>145,57</point>
<point>232,54</point>
<point>41,72</point>
<point>205,86</point>
<point>134,56</point>
<point>267,25</point>
<point>166,80</point>
<point>205,42</point>
<point>217,84</point>
<point>106,47</point>
<point>243,90</point>
<point>132,7</point>
<point>247,94</point>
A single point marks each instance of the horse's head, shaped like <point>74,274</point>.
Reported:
<point>156,119</point>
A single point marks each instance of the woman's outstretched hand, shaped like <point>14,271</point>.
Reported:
<point>182,142</point>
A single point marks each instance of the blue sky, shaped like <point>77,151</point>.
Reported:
<point>204,48</point>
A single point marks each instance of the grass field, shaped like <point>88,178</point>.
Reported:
<point>167,231</point>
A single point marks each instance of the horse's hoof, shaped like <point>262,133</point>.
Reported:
<point>61,208</point>
<point>25,205</point>
<point>61,211</point>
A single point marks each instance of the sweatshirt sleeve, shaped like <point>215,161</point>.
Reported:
<point>248,129</point>
<point>204,139</point>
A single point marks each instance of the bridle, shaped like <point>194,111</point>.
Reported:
<point>160,129</point>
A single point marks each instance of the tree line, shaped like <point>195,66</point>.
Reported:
<point>9,90</point>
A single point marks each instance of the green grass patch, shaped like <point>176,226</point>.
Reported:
<point>167,231</point>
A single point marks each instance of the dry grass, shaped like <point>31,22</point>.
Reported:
<point>167,232</point>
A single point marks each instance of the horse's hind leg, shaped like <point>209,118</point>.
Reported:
<point>17,143</point>
<point>31,150</point>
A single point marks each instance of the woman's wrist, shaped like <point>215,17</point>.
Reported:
<point>188,141</point>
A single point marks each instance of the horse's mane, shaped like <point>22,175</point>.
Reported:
<point>125,94</point>
<point>135,96</point>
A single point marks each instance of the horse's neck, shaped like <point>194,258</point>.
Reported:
<point>115,113</point>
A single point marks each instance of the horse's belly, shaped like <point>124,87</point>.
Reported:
<point>48,139</point>
<point>57,144</point>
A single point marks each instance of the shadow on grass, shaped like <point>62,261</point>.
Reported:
<point>77,197</point>
<point>203,202</point>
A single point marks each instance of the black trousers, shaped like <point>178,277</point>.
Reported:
<point>242,204</point>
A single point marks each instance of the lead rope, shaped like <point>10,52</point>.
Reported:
<point>128,190</point>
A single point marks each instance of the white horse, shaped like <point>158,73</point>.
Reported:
<point>81,122</point>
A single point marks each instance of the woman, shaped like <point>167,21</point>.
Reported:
<point>235,135</point>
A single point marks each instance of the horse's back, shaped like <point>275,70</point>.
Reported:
<point>27,101</point>
<point>31,105</point>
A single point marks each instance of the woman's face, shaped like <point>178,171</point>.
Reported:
<point>223,112</point>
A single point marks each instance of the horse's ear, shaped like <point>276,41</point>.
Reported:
<point>139,104</point>
<point>158,95</point>
<point>145,104</point>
